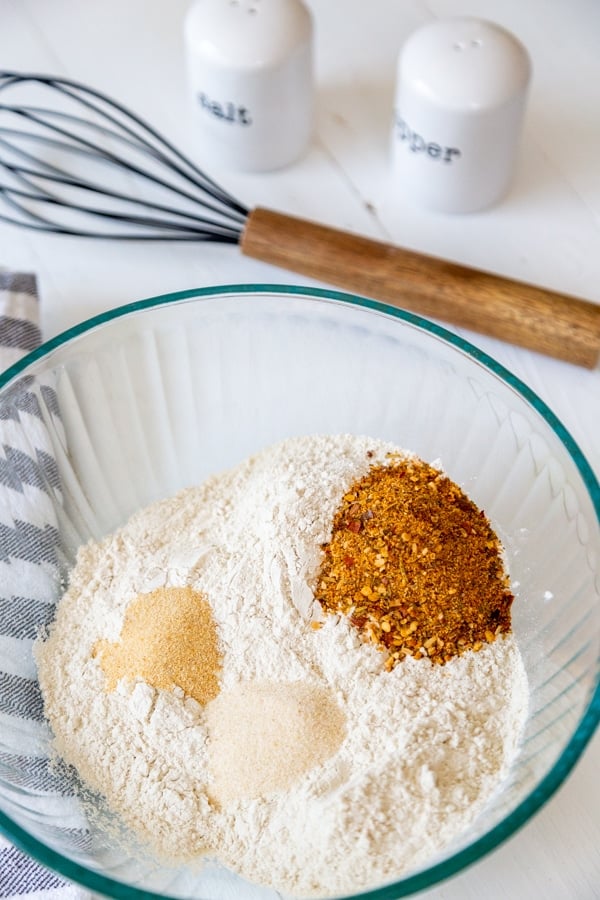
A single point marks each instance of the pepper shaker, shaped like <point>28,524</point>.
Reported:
<point>460,99</point>
<point>250,71</point>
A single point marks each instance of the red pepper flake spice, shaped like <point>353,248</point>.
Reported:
<point>415,564</point>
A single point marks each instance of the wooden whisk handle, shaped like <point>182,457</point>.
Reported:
<point>565,327</point>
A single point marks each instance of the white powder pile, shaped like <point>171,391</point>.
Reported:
<point>264,736</point>
<point>423,746</point>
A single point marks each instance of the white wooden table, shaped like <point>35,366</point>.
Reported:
<point>547,232</point>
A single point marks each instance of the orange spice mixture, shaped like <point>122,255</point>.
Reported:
<point>169,639</point>
<point>415,565</point>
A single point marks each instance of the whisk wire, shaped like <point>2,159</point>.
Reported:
<point>9,198</point>
<point>83,147</point>
<point>224,234</point>
<point>38,193</point>
<point>21,172</point>
<point>79,92</point>
<point>72,137</point>
<point>201,179</point>
<point>187,233</point>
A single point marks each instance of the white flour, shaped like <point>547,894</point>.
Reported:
<point>425,745</point>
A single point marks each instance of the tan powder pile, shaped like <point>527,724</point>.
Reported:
<point>168,639</point>
<point>264,736</point>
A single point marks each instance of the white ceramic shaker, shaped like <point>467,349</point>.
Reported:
<point>460,97</point>
<point>250,71</point>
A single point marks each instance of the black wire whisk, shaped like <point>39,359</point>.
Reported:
<point>76,162</point>
<point>96,133</point>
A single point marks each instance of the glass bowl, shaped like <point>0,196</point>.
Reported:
<point>133,405</point>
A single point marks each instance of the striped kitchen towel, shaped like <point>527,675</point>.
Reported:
<point>19,320</point>
<point>29,488</point>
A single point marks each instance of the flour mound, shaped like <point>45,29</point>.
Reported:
<point>423,749</point>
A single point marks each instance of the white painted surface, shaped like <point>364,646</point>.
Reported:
<point>547,231</point>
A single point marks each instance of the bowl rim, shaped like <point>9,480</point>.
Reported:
<point>590,720</point>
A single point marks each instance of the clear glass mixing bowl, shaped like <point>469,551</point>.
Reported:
<point>149,398</point>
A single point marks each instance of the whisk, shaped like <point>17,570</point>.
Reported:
<point>82,164</point>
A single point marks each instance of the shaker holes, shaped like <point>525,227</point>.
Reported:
<point>475,43</point>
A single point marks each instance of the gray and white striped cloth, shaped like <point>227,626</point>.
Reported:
<point>24,470</point>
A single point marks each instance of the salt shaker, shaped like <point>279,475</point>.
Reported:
<point>460,98</point>
<point>250,71</point>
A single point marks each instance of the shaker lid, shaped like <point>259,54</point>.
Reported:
<point>465,63</point>
<point>247,33</point>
